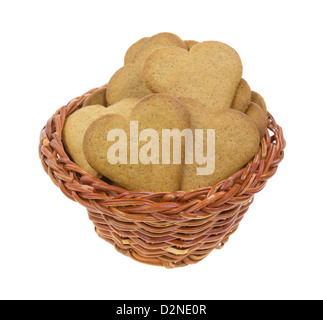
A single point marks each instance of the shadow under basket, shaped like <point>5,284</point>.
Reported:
<point>161,229</point>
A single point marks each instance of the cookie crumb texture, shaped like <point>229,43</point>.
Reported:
<point>170,83</point>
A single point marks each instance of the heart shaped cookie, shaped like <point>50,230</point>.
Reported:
<point>136,160</point>
<point>78,122</point>
<point>242,97</point>
<point>259,100</point>
<point>190,44</point>
<point>210,73</point>
<point>160,40</point>
<point>73,133</point>
<point>236,141</point>
<point>127,81</point>
<point>259,117</point>
<point>198,113</point>
<point>98,97</point>
<point>132,51</point>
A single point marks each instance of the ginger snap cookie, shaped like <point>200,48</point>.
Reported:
<point>78,122</point>
<point>209,73</point>
<point>197,112</point>
<point>123,107</point>
<point>143,169</point>
<point>190,43</point>
<point>160,40</point>
<point>127,81</point>
<point>132,51</point>
<point>235,142</point>
<point>73,133</point>
<point>259,117</point>
<point>98,97</point>
<point>259,100</point>
<point>242,97</point>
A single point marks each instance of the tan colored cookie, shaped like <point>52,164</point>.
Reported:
<point>73,133</point>
<point>259,117</point>
<point>132,51</point>
<point>259,100</point>
<point>98,97</point>
<point>155,111</point>
<point>236,142</point>
<point>123,107</point>
<point>242,97</point>
<point>209,73</point>
<point>190,44</point>
<point>78,122</point>
<point>127,81</point>
<point>160,40</point>
<point>197,112</point>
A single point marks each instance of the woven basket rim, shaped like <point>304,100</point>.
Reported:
<point>98,195</point>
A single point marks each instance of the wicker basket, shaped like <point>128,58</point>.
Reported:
<point>162,229</point>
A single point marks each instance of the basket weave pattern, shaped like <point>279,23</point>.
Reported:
<point>163,229</point>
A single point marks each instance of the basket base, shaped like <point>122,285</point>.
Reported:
<point>168,251</point>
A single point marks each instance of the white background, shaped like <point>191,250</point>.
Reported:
<point>52,52</point>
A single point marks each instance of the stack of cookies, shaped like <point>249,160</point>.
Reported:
<point>167,83</point>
